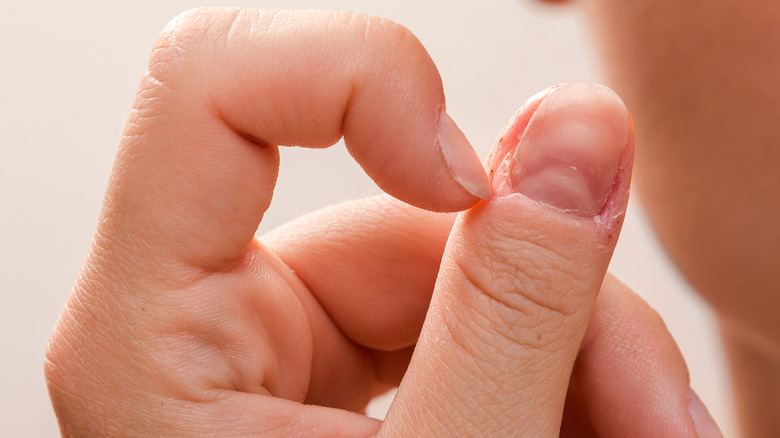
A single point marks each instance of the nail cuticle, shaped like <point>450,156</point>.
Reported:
<point>568,155</point>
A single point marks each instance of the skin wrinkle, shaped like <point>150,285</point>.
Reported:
<point>319,304</point>
<point>480,347</point>
<point>450,367</point>
<point>173,48</point>
<point>173,370</point>
<point>479,276</point>
<point>505,235</point>
<point>536,369</point>
<point>237,25</point>
<point>140,250</point>
<point>177,326</point>
<point>489,307</point>
<point>288,280</point>
<point>105,250</point>
<point>180,354</point>
<point>341,333</point>
<point>56,379</point>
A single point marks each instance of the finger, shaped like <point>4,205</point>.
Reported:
<point>520,274</point>
<point>198,162</point>
<point>376,294</point>
<point>630,378</point>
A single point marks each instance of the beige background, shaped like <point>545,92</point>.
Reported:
<point>69,73</point>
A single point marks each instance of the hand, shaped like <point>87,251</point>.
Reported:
<point>181,323</point>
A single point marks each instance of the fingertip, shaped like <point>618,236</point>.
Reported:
<point>417,154</point>
<point>569,154</point>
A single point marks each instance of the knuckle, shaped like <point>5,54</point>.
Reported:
<point>389,44</point>
<point>524,293</point>
<point>178,64</point>
<point>388,32</point>
<point>188,36</point>
<point>373,29</point>
<point>523,272</point>
<point>192,24</point>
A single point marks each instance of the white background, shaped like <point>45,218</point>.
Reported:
<point>69,73</point>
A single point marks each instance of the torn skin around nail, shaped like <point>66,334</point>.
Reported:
<point>501,161</point>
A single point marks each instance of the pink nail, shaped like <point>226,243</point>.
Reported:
<point>569,154</point>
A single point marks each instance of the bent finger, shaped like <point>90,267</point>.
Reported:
<point>198,160</point>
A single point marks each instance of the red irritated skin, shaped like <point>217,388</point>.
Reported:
<point>605,183</point>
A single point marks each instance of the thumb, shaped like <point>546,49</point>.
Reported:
<point>521,272</point>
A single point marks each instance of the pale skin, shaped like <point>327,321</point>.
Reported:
<point>183,324</point>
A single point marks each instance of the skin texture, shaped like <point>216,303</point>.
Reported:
<point>699,77</point>
<point>183,324</point>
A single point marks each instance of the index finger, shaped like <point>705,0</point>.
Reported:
<point>198,160</point>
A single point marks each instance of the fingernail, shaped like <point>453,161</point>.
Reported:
<point>569,154</point>
<point>464,164</point>
<point>705,425</point>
